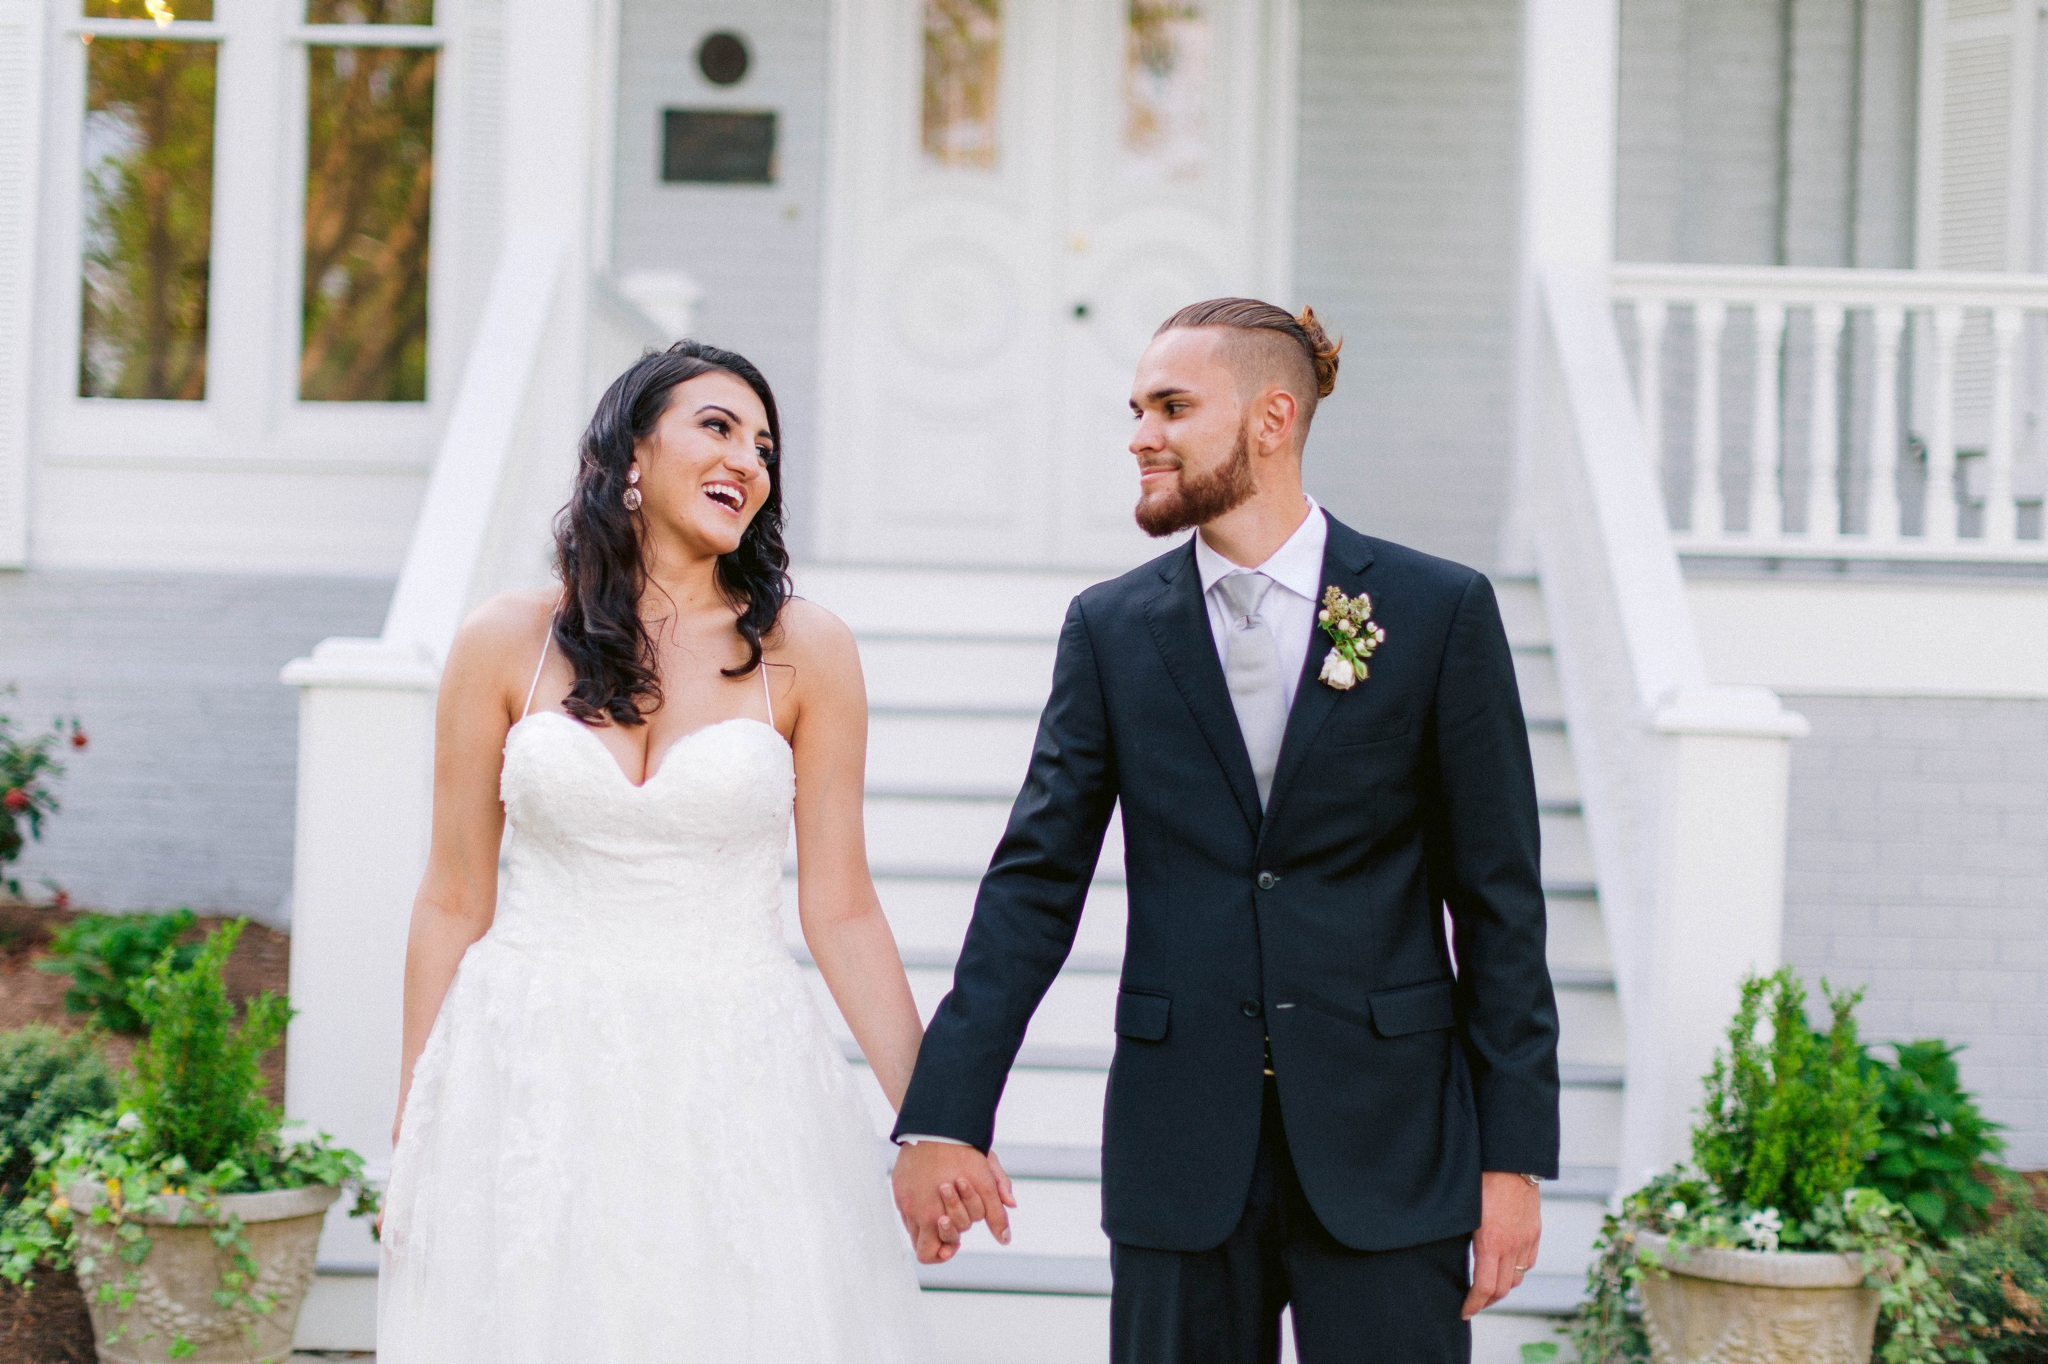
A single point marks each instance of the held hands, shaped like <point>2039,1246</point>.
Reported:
<point>1504,1247</point>
<point>942,1190</point>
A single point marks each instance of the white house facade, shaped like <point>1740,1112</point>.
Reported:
<point>1716,330</point>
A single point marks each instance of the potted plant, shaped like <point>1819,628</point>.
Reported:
<point>1767,1252</point>
<point>190,1216</point>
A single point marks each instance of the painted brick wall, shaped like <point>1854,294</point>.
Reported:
<point>1705,130</point>
<point>186,795</point>
<point>753,248</point>
<point>1918,867</point>
<point>1410,123</point>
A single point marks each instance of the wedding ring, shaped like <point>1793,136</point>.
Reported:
<point>1521,1269</point>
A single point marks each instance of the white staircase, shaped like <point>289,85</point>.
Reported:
<point>958,665</point>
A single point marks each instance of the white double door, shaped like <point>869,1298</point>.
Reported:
<point>1020,192</point>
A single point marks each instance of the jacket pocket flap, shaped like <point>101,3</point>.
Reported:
<point>1142,1016</point>
<point>1413,1008</point>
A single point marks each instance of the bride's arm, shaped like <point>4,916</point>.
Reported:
<point>842,919</point>
<point>458,895</point>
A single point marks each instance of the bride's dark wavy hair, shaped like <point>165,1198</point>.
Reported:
<point>598,552</point>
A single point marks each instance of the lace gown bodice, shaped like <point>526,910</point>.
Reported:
<point>628,1080</point>
<point>690,860</point>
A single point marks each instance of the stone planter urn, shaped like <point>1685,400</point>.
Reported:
<point>183,1269</point>
<point>1717,1306</point>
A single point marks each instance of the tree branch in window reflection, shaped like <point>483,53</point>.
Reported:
<point>148,219</point>
<point>369,186</point>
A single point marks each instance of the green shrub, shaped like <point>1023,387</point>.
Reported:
<point>46,1078</point>
<point>107,955</point>
<point>1788,1122</point>
<point>198,1087</point>
<point>1935,1145</point>
<point>2002,1277</point>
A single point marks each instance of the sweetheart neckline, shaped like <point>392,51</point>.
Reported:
<point>668,749</point>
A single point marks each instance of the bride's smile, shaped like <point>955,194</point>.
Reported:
<point>703,470</point>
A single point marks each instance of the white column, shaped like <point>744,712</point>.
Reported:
<point>21,135</point>
<point>1570,71</point>
<point>1888,324</point>
<point>2000,514</point>
<point>1939,520</point>
<point>1823,445</point>
<point>1707,521</point>
<point>1766,472</point>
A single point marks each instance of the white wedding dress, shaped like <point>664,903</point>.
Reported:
<point>631,1137</point>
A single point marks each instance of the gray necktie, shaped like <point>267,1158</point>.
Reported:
<point>1251,668</point>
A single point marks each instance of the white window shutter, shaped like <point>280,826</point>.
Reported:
<point>1976,134</point>
<point>21,99</point>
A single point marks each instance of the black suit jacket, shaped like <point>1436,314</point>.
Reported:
<point>1401,1076</point>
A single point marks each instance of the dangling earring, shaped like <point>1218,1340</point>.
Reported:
<point>632,498</point>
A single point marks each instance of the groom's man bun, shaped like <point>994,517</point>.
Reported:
<point>1268,345</point>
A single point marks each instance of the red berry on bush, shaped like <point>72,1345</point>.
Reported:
<point>78,739</point>
<point>16,800</point>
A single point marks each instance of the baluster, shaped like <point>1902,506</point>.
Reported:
<point>1651,316</point>
<point>1709,316</point>
<point>2000,515</point>
<point>1766,508</point>
<point>1940,520</point>
<point>1888,322</point>
<point>1823,444</point>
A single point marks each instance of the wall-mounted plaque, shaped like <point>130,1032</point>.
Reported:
<point>717,146</point>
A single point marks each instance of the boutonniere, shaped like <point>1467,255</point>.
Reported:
<point>1349,624</point>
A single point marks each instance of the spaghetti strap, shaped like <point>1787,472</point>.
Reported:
<point>550,639</point>
<point>769,695</point>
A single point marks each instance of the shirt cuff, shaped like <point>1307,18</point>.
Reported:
<point>913,1138</point>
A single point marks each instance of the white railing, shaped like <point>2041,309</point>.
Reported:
<point>1683,783</point>
<point>1843,413</point>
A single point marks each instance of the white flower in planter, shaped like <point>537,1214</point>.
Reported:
<point>130,1121</point>
<point>1763,1228</point>
<point>1676,1212</point>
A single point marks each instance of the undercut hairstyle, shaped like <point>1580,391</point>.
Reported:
<point>1266,345</point>
<point>598,553</point>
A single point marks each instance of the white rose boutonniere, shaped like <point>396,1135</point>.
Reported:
<point>1349,624</point>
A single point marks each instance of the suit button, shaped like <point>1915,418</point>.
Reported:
<point>1251,1008</point>
<point>1266,880</point>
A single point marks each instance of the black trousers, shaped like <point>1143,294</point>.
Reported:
<point>1223,1306</point>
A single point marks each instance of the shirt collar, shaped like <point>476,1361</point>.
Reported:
<point>1296,565</point>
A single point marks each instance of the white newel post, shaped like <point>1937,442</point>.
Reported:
<point>1717,902</point>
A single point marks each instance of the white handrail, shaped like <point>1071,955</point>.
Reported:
<point>440,580</point>
<point>1682,782</point>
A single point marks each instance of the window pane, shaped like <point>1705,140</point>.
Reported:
<point>148,179</point>
<point>160,10</point>
<point>369,11</point>
<point>369,179</point>
<point>1166,89</point>
<point>962,65</point>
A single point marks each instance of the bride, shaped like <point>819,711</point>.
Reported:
<point>625,1132</point>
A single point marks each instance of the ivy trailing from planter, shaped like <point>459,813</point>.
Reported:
<point>194,1126</point>
<point>1791,1118</point>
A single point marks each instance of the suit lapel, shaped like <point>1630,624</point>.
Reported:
<point>1346,555</point>
<point>1180,626</point>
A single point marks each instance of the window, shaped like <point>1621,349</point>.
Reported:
<point>962,69</point>
<point>147,211</point>
<point>1166,89</point>
<point>369,190</point>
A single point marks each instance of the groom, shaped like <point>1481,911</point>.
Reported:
<point>1323,1096</point>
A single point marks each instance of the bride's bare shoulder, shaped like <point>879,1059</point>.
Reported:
<point>817,647</point>
<point>504,630</point>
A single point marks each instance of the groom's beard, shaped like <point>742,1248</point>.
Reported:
<point>1202,498</point>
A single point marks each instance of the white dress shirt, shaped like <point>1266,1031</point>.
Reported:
<point>1290,607</point>
<point>1289,611</point>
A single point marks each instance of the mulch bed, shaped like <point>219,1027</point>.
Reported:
<point>49,1325</point>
